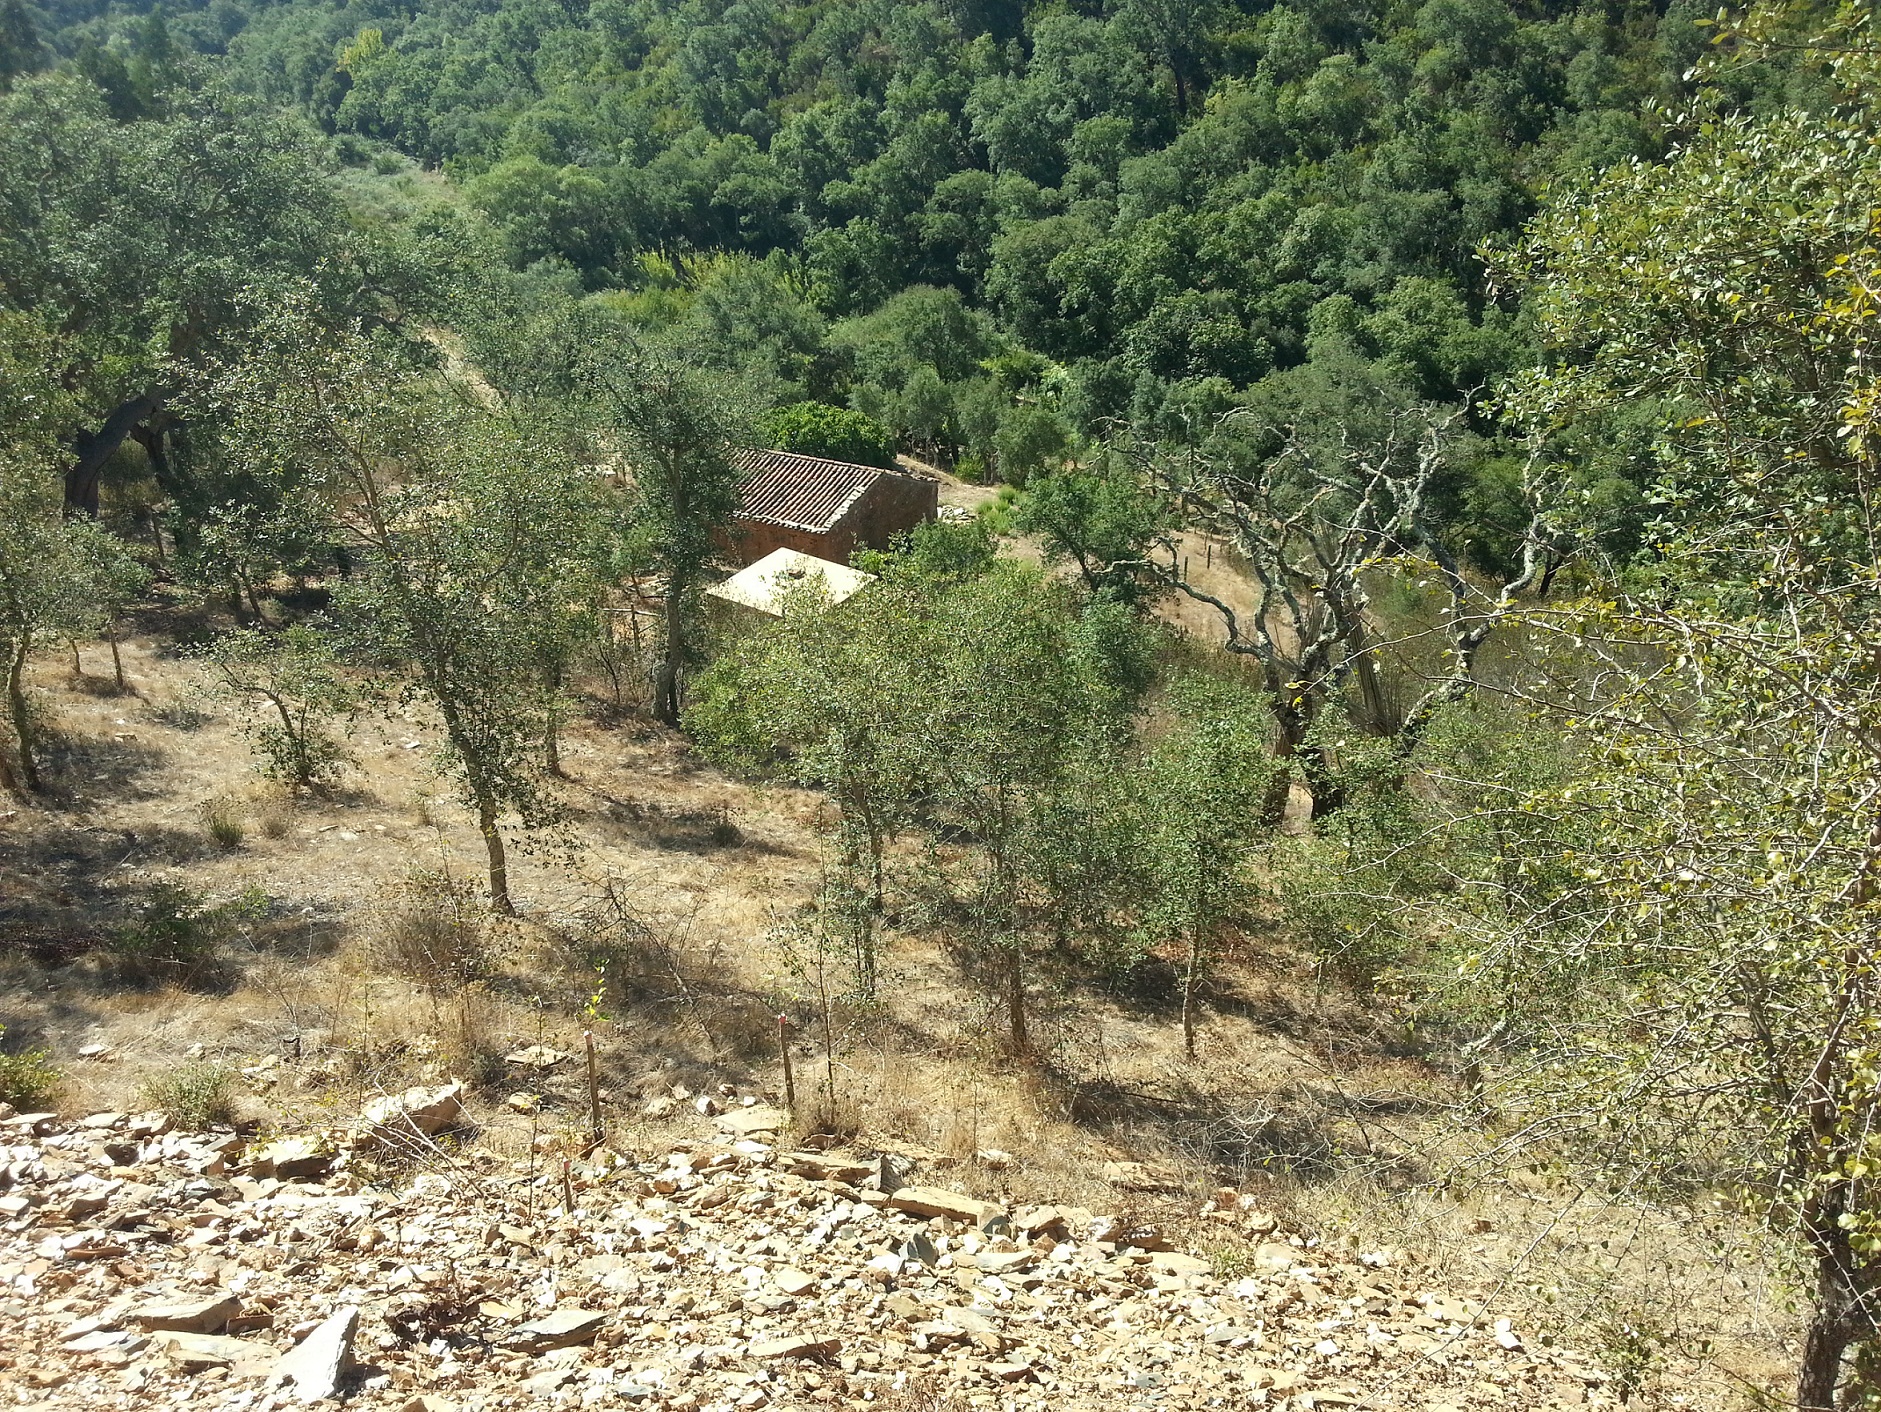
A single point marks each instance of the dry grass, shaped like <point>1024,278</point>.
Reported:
<point>383,972</point>
<point>274,816</point>
<point>223,820</point>
<point>436,933</point>
<point>197,1095</point>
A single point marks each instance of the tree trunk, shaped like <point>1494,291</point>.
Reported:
<point>553,678</point>
<point>9,777</point>
<point>1371,692</point>
<point>117,658</point>
<point>150,435</point>
<point>1292,726</point>
<point>78,665</point>
<point>90,451</point>
<point>22,720</point>
<point>1835,1316</point>
<point>1190,982</point>
<point>156,536</point>
<point>610,663</point>
<point>1015,1006</point>
<point>1824,1343</point>
<point>499,860</point>
<point>666,683</point>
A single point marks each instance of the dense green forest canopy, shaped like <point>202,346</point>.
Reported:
<point>994,227</point>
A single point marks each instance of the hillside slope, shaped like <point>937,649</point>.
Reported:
<point>724,1273</point>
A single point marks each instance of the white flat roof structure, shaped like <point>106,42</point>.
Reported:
<point>769,583</point>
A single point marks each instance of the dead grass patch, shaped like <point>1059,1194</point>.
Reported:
<point>435,932</point>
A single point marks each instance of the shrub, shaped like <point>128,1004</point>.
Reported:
<point>1030,440</point>
<point>434,934</point>
<point>27,1079</point>
<point>291,696</point>
<point>196,1095</point>
<point>176,927</point>
<point>222,817</point>
<point>818,429</point>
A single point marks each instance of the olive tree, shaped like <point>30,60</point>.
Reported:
<point>975,700</point>
<point>677,428</point>
<point>292,693</point>
<point>455,513</point>
<point>823,697</point>
<point>1203,786</point>
<point>1697,1002</point>
<point>57,579</point>
<point>1016,685</point>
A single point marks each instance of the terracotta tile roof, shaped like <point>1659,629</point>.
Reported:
<point>801,492</point>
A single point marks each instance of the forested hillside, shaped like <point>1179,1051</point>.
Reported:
<point>992,226</point>
<point>1388,721</point>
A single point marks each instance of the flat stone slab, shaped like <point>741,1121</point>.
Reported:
<point>318,1363</point>
<point>562,1329</point>
<point>429,1110</point>
<point>198,1352</point>
<point>772,1349</point>
<point>1174,1262</point>
<point>1004,1262</point>
<point>1138,1176</point>
<point>936,1201</point>
<point>793,1281</point>
<point>747,1122</point>
<point>189,1316</point>
<point>291,1159</point>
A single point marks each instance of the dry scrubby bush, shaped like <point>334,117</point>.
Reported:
<point>434,934</point>
<point>196,1095</point>
<point>28,1078</point>
<point>177,929</point>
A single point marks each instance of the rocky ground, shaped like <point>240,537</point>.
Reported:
<point>397,1265</point>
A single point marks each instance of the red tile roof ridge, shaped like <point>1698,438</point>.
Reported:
<point>803,492</point>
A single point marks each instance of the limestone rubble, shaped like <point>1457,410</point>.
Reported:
<point>142,1267</point>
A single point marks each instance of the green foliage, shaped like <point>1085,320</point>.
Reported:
<point>196,1094</point>
<point>1030,441</point>
<point>21,49</point>
<point>681,429</point>
<point>177,928</point>
<point>291,693</point>
<point>58,578</point>
<point>1205,784</point>
<point>817,429</point>
<point>970,696</point>
<point>1167,190</point>
<point>1689,986</point>
<point>1104,520</point>
<point>995,249</point>
<point>28,1078</point>
<point>105,234</point>
<point>474,533</point>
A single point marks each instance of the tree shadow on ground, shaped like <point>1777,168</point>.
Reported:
<point>80,917</point>
<point>673,828</point>
<point>117,766</point>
